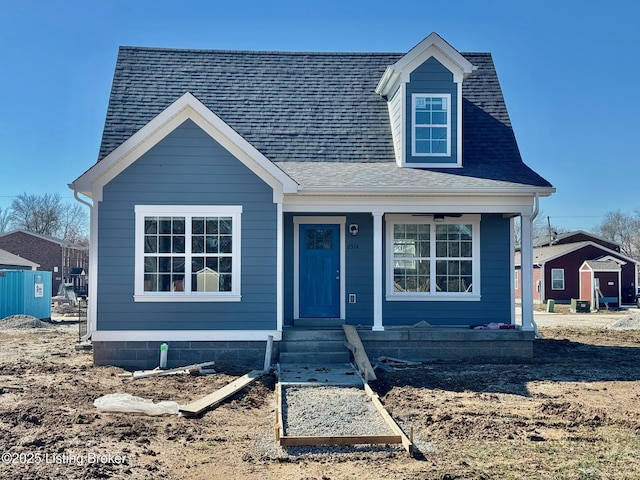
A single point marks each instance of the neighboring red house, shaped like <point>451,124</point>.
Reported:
<point>52,254</point>
<point>573,265</point>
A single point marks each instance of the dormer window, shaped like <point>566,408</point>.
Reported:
<point>431,136</point>
<point>423,90</point>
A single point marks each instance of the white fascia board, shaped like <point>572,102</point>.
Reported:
<point>417,54</point>
<point>186,107</point>
<point>432,46</point>
<point>398,203</point>
<point>611,258</point>
<point>460,67</point>
<point>185,335</point>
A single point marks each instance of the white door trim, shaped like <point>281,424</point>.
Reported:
<point>310,220</point>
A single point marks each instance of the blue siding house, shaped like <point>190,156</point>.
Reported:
<point>239,194</point>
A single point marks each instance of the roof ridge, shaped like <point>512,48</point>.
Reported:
<point>270,52</point>
<point>263,52</point>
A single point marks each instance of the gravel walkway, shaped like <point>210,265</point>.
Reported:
<point>330,411</point>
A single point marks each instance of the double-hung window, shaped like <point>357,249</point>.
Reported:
<point>431,132</point>
<point>430,260</point>
<point>557,279</point>
<point>187,253</point>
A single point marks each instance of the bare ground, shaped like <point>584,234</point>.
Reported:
<point>571,413</point>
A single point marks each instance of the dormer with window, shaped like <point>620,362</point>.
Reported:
<point>424,94</point>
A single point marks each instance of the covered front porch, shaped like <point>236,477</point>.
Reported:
<point>347,267</point>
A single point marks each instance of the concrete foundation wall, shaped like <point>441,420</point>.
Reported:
<point>449,344</point>
<point>146,355</point>
<point>426,345</point>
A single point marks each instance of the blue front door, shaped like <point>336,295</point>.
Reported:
<point>319,273</point>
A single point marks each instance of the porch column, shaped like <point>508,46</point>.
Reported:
<point>377,271</point>
<point>526,261</point>
<point>279,267</point>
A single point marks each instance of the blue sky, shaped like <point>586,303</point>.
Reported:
<point>567,70</point>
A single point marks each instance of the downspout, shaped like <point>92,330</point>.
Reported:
<point>536,206</point>
<point>536,210</point>
<point>86,336</point>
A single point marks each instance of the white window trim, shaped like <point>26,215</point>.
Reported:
<point>414,125</point>
<point>552,272</point>
<point>233,211</point>
<point>392,295</point>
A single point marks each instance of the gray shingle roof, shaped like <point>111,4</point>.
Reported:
<point>8,258</point>
<point>603,264</point>
<point>310,107</point>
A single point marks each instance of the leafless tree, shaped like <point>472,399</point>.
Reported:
<point>48,215</point>
<point>622,228</point>
<point>4,220</point>
<point>74,223</point>
<point>541,228</point>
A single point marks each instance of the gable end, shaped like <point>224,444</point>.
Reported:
<point>187,107</point>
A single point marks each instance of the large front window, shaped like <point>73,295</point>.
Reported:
<point>432,260</point>
<point>187,253</point>
<point>431,133</point>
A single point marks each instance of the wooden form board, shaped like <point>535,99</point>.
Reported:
<point>279,422</point>
<point>289,441</point>
<point>359,354</point>
<point>158,372</point>
<point>406,442</point>
<point>222,394</point>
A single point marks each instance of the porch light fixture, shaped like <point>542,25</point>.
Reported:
<point>353,229</point>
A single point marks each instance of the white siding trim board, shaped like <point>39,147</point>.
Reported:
<point>184,335</point>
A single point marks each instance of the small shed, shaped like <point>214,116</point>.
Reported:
<point>600,282</point>
<point>25,292</point>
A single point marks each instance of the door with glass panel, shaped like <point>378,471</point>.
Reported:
<point>319,275</point>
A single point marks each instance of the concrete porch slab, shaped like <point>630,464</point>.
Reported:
<point>310,375</point>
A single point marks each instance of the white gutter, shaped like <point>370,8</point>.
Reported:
<point>536,205</point>
<point>536,210</point>
<point>410,190</point>
<point>86,336</point>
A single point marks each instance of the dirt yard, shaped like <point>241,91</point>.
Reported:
<point>571,413</point>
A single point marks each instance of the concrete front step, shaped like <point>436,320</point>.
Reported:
<point>317,358</point>
<point>299,334</point>
<point>319,323</point>
<point>312,346</point>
